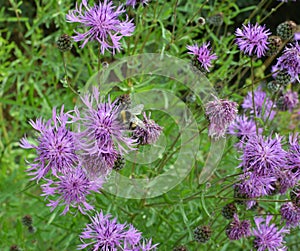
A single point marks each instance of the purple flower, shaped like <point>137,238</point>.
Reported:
<point>102,131</point>
<point>133,3</point>
<point>290,61</point>
<point>149,133</point>
<point>268,236</point>
<point>297,36</point>
<point>203,54</point>
<point>103,24</point>
<point>221,113</point>
<point>293,157</point>
<point>104,233</point>
<point>71,189</point>
<point>238,229</point>
<point>56,146</point>
<point>243,128</point>
<point>264,156</point>
<point>291,214</point>
<point>253,39</point>
<point>290,101</point>
<point>285,1</point>
<point>264,107</point>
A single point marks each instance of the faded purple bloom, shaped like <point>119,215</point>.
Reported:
<point>104,233</point>
<point>103,24</point>
<point>253,39</point>
<point>291,214</point>
<point>268,236</point>
<point>56,146</point>
<point>149,133</point>
<point>221,113</point>
<point>243,128</point>
<point>203,54</point>
<point>290,61</point>
<point>290,100</point>
<point>263,156</point>
<point>238,229</point>
<point>264,107</point>
<point>71,189</point>
<point>297,36</point>
<point>101,129</point>
<point>133,3</point>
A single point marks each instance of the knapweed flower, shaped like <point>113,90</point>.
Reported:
<point>288,101</point>
<point>71,190</point>
<point>291,214</point>
<point>104,233</point>
<point>264,107</point>
<point>290,61</point>
<point>253,39</point>
<point>56,146</point>
<point>243,128</point>
<point>264,156</point>
<point>202,54</point>
<point>103,24</point>
<point>293,156</point>
<point>221,113</point>
<point>268,236</point>
<point>238,229</point>
<point>148,133</point>
<point>133,3</point>
<point>101,130</point>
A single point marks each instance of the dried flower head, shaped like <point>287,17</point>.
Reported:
<point>253,39</point>
<point>103,24</point>
<point>221,113</point>
<point>238,229</point>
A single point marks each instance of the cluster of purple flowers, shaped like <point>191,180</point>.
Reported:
<point>78,161</point>
<point>104,233</point>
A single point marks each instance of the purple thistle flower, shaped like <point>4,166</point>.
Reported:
<point>291,214</point>
<point>149,133</point>
<point>133,3</point>
<point>238,229</point>
<point>290,61</point>
<point>103,24</point>
<point>253,185</point>
<point>221,113</point>
<point>203,54</point>
<point>105,234</point>
<point>290,101</point>
<point>56,148</point>
<point>293,157</point>
<point>102,130</point>
<point>72,189</point>
<point>264,106</point>
<point>243,128</point>
<point>268,236</point>
<point>145,245</point>
<point>264,156</point>
<point>297,36</point>
<point>253,39</point>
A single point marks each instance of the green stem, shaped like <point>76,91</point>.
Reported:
<point>66,75</point>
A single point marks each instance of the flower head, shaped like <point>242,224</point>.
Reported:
<point>101,129</point>
<point>291,214</point>
<point>252,39</point>
<point>56,147</point>
<point>238,229</point>
<point>289,101</point>
<point>221,113</point>
<point>104,233</point>
<point>264,107</point>
<point>290,61</point>
<point>71,189</point>
<point>103,24</point>
<point>243,128</point>
<point>202,54</point>
<point>268,236</point>
<point>149,133</point>
<point>264,156</point>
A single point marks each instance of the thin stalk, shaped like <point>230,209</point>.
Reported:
<point>253,99</point>
<point>66,75</point>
